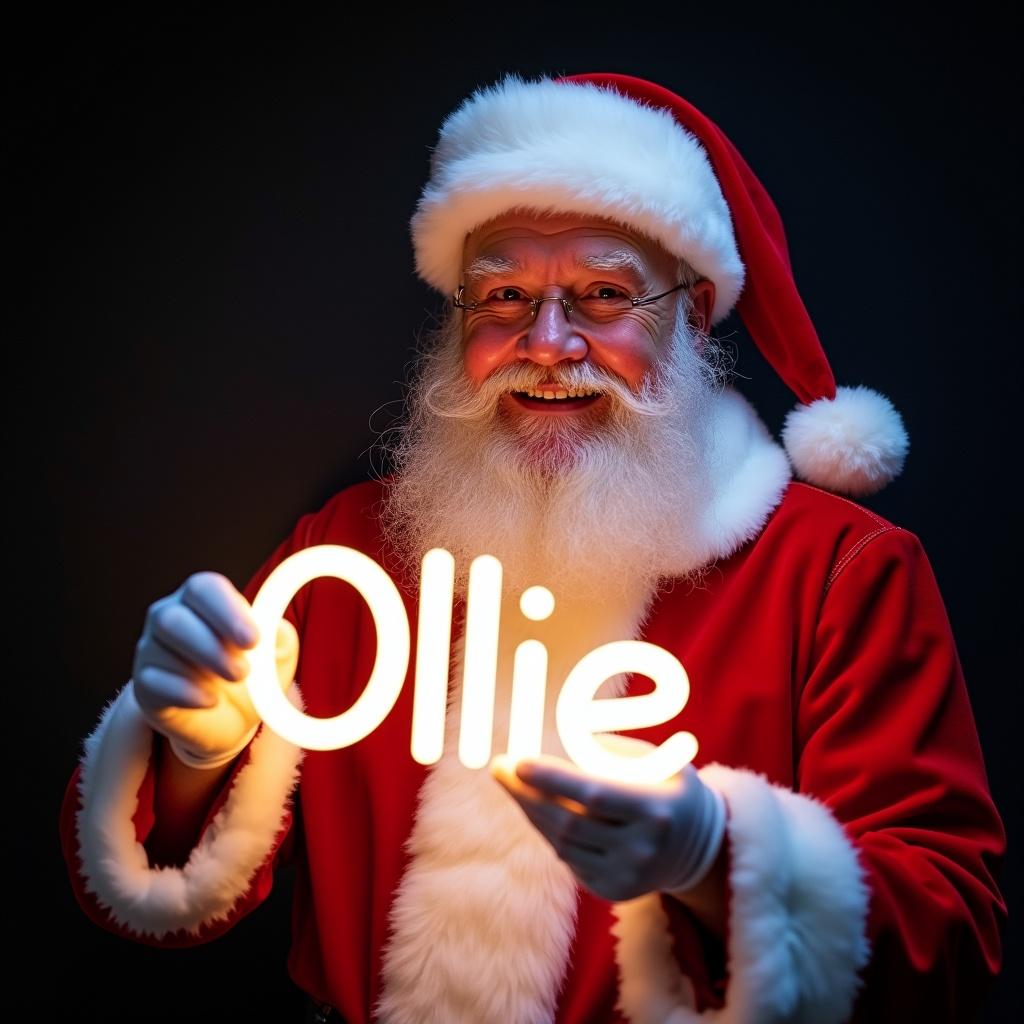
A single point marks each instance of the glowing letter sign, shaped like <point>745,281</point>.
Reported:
<point>578,715</point>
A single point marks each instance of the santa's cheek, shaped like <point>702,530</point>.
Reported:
<point>628,363</point>
<point>627,349</point>
<point>483,352</point>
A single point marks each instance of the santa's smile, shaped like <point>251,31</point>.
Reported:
<point>554,399</point>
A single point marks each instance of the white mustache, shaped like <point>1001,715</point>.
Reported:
<point>617,498</point>
<point>461,399</point>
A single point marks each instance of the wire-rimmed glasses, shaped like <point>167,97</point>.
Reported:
<point>515,307</point>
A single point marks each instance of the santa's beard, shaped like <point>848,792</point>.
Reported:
<point>607,502</point>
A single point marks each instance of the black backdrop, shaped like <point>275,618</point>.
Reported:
<point>220,304</point>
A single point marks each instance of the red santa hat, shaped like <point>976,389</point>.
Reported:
<point>628,150</point>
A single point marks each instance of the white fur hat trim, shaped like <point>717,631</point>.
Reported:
<point>546,146</point>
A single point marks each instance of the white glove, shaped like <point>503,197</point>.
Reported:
<point>621,840</point>
<point>189,670</point>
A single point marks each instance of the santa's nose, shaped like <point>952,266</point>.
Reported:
<point>551,336</point>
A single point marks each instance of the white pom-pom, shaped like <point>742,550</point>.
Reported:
<point>853,444</point>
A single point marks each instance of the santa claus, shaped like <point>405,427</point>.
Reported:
<point>832,856</point>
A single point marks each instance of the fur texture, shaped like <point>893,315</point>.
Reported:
<point>749,474</point>
<point>854,444</point>
<point>480,877</point>
<point>544,146</point>
<point>157,901</point>
<point>797,927</point>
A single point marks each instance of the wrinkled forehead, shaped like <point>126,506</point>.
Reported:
<point>519,233</point>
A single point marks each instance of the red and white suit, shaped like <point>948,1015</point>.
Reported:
<point>831,712</point>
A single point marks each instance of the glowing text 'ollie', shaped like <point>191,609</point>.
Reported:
<point>578,715</point>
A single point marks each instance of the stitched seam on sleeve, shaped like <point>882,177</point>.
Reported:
<point>853,552</point>
<point>877,520</point>
<point>866,511</point>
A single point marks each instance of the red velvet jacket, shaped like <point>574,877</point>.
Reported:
<point>831,712</point>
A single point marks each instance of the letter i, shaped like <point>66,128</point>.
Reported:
<point>529,680</point>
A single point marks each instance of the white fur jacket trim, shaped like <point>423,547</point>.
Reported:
<point>159,900</point>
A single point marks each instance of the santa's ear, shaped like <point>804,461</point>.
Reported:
<point>702,302</point>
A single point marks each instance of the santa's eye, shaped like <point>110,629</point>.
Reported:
<point>508,294</point>
<point>605,300</point>
<point>606,291</point>
<point>507,302</point>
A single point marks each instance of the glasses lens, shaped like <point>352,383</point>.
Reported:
<point>506,304</point>
<point>513,306</point>
<point>602,305</point>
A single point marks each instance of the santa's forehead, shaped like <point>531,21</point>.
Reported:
<point>523,235</point>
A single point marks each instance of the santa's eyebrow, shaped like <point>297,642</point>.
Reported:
<point>618,260</point>
<point>491,266</point>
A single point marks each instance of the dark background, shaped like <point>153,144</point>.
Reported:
<point>219,304</point>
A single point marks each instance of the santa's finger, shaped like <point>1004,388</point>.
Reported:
<point>549,818</point>
<point>558,817</point>
<point>569,827</point>
<point>609,801</point>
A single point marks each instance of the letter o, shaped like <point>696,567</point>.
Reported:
<point>389,670</point>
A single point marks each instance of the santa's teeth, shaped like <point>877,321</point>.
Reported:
<point>558,394</point>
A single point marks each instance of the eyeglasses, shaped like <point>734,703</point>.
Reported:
<point>514,307</point>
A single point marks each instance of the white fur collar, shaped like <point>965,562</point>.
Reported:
<point>481,881</point>
<point>749,473</point>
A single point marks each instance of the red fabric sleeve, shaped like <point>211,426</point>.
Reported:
<point>886,738</point>
<point>143,819</point>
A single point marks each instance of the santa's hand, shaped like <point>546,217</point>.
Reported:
<point>190,666</point>
<point>621,840</point>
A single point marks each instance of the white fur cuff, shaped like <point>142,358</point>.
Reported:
<point>115,866</point>
<point>797,925</point>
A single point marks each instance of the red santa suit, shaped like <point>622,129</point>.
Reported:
<point>831,713</point>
